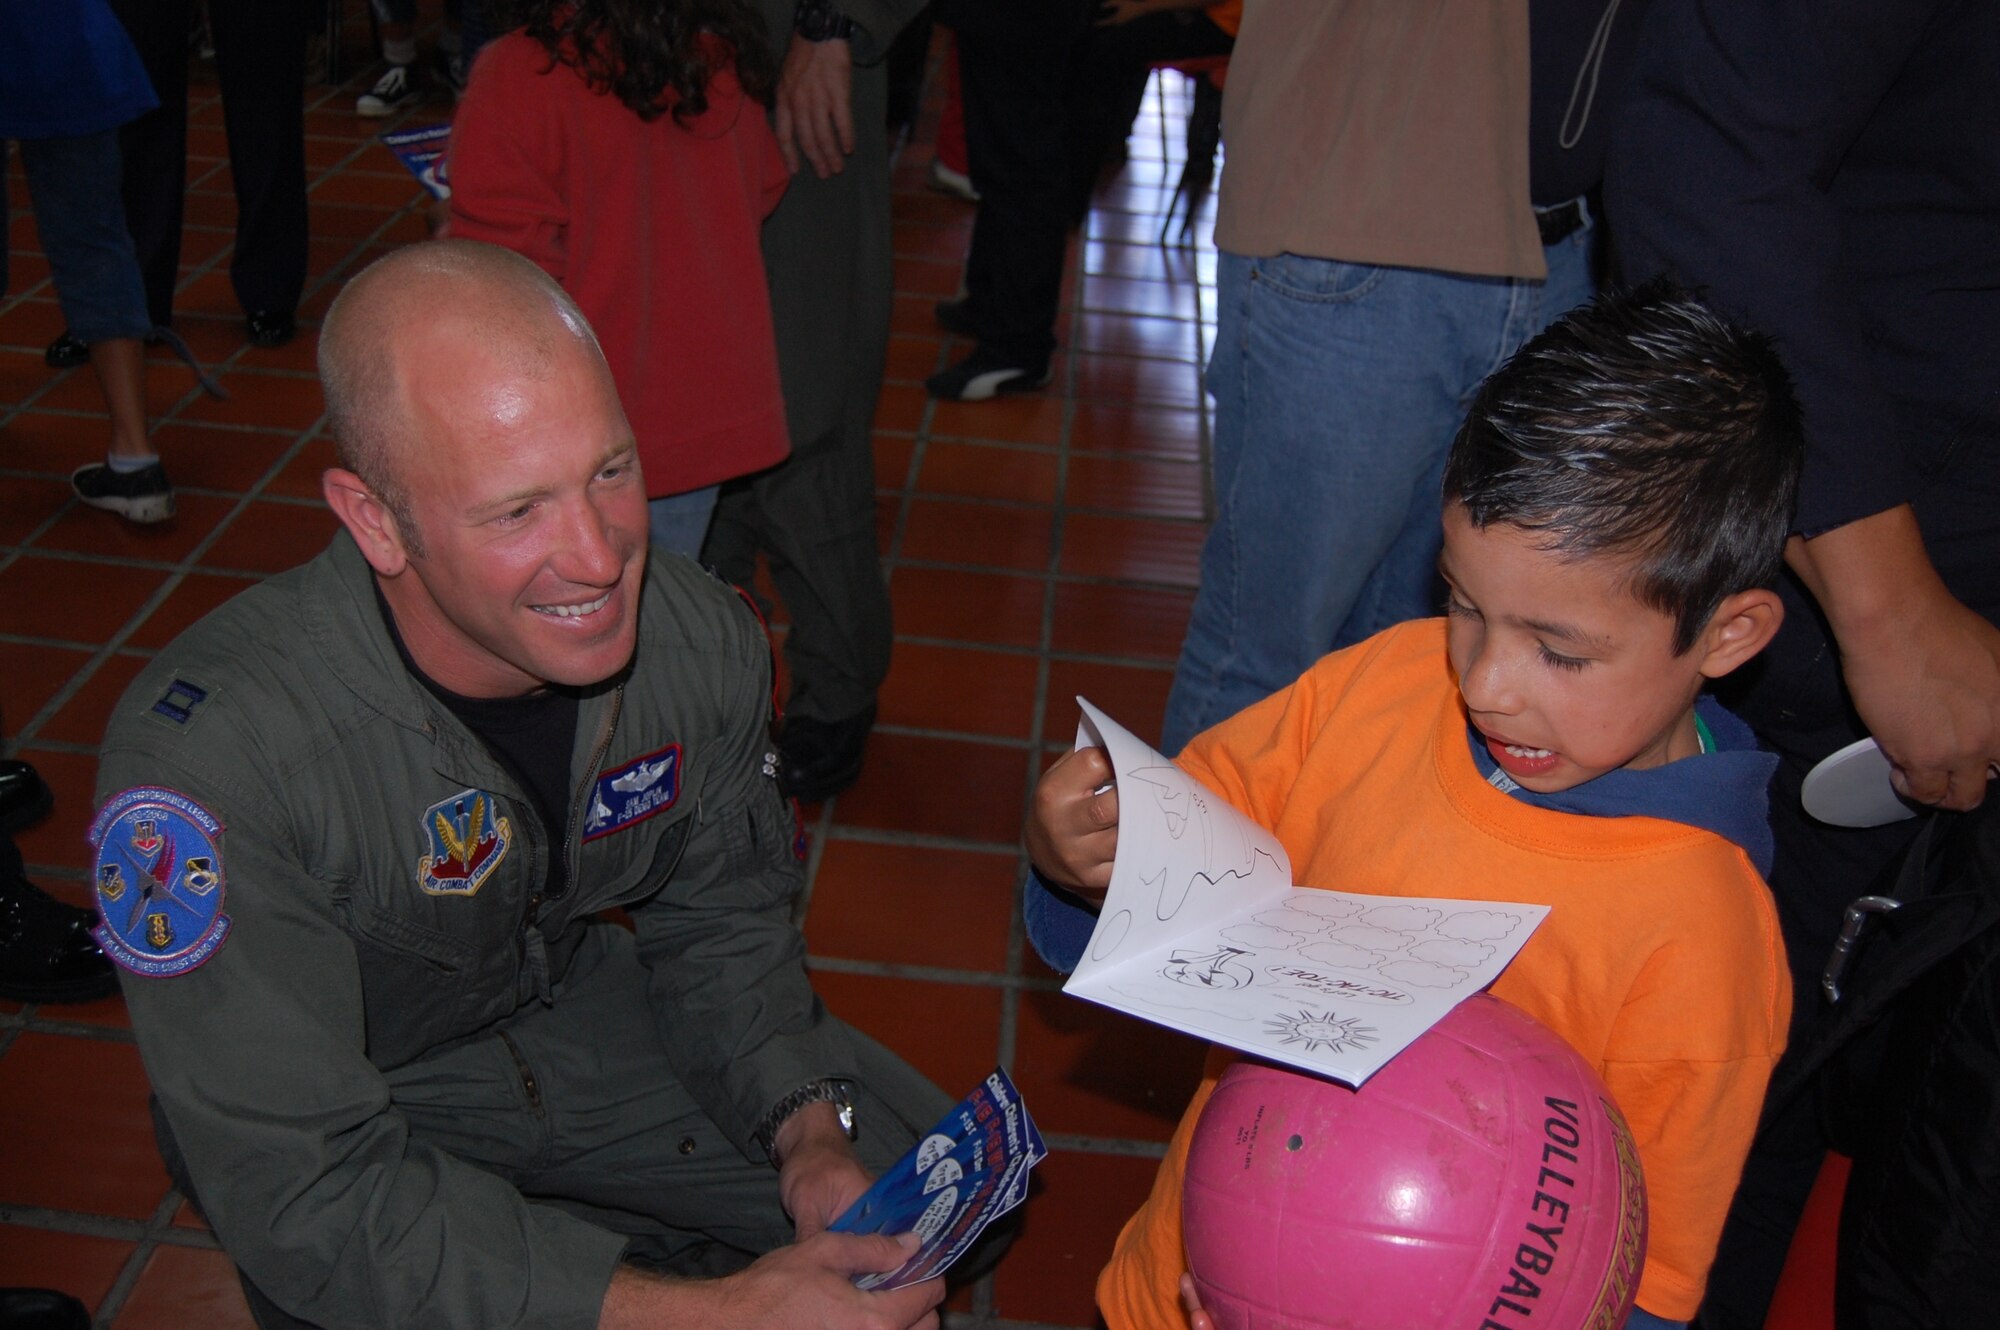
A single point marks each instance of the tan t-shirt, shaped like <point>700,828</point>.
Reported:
<point>1381,131</point>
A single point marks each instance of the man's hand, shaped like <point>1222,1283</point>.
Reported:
<point>806,1286</point>
<point>1073,824</point>
<point>1924,671</point>
<point>820,1177</point>
<point>815,112</point>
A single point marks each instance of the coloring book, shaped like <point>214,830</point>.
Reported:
<point>1203,931</point>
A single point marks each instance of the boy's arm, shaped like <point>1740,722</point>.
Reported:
<point>1692,1122</point>
<point>1687,1062</point>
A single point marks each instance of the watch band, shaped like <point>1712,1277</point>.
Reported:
<point>828,1090</point>
<point>820,21</point>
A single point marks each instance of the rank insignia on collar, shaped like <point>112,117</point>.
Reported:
<point>627,795</point>
<point>466,838</point>
<point>159,882</point>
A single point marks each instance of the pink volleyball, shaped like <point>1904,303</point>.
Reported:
<point>1483,1178</point>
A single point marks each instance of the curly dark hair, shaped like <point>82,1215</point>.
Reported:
<point>651,54</point>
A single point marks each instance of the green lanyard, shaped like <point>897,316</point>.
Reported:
<point>1702,736</point>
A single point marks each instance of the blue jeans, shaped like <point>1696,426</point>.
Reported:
<point>679,522</point>
<point>80,216</point>
<point>1338,388</point>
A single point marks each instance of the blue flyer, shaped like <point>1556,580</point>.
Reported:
<point>424,151</point>
<point>967,1171</point>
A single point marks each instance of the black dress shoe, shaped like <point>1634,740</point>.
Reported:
<point>271,327</point>
<point>41,1309</point>
<point>817,759</point>
<point>66,352</point>
<point>24,797</point>
<point>46,951</point>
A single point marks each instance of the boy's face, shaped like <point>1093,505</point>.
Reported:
<point>1563,670</point>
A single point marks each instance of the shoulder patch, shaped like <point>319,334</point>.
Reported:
<point>627,795</point>
<point>181,700</point>
<point>466,838</point>
<point>159,882</point>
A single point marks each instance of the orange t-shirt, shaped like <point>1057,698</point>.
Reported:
<point>1660,960</point>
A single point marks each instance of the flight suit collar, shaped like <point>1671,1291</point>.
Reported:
<point>346,629</point>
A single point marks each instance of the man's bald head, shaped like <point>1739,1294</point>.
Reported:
<point>440,298</point>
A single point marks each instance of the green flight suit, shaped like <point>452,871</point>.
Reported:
<point>408,1089</point>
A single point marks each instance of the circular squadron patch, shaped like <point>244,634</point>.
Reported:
<point>159,882</point>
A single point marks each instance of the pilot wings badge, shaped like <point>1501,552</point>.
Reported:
<point>627,795</point>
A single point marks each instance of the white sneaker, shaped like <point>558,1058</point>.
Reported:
<point>396,89</point>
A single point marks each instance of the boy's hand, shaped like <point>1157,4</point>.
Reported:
<point>1197,1318</point>
<point>1073,825</point>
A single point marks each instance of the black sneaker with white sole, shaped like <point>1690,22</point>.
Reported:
<point>140,496</point>
<point>398,87</point>
<point>985,374</point>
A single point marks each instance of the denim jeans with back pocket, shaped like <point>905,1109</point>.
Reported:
<point>1338,388</point>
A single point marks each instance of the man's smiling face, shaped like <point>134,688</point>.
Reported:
<point>523,478</point>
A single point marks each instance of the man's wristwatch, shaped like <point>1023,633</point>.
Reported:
<point>821,21</point>
<point>836,1092</point>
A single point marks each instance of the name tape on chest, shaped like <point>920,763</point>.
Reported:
<point>465,838</point>
<point>627,795</point>
<point>159,882</point>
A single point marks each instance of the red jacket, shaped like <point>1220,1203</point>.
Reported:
<point>652,228</point>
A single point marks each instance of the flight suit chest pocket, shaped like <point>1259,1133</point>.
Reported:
<point>414,982</point>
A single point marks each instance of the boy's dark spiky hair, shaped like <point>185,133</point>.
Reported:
<point>1642,424</point>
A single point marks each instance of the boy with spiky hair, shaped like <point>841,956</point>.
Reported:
<point>1616,508</point>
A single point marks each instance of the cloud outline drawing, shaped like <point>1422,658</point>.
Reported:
<point>1479,925</point>
<point>1402,918</point>
<point>1260,936</point>
<point>1420,974</point>
<point>1370,939</point>
<point>1451,951</point>
<point>1325,904</point>
<point>1341,955</point>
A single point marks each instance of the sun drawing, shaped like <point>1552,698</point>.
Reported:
<point>1322,1031</point>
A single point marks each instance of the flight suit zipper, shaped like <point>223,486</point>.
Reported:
<point>534,950</point>
<point>569,844</point>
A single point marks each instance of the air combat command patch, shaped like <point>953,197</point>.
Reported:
<point>467,839</point>
<point>627,795</point>
<point>159,882</point>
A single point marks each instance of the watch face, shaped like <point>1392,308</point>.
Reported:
<point>818,21</point>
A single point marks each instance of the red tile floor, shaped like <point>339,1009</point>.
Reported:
<point>1037,547</point>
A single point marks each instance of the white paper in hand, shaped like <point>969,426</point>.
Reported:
<point>1202,931</point>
